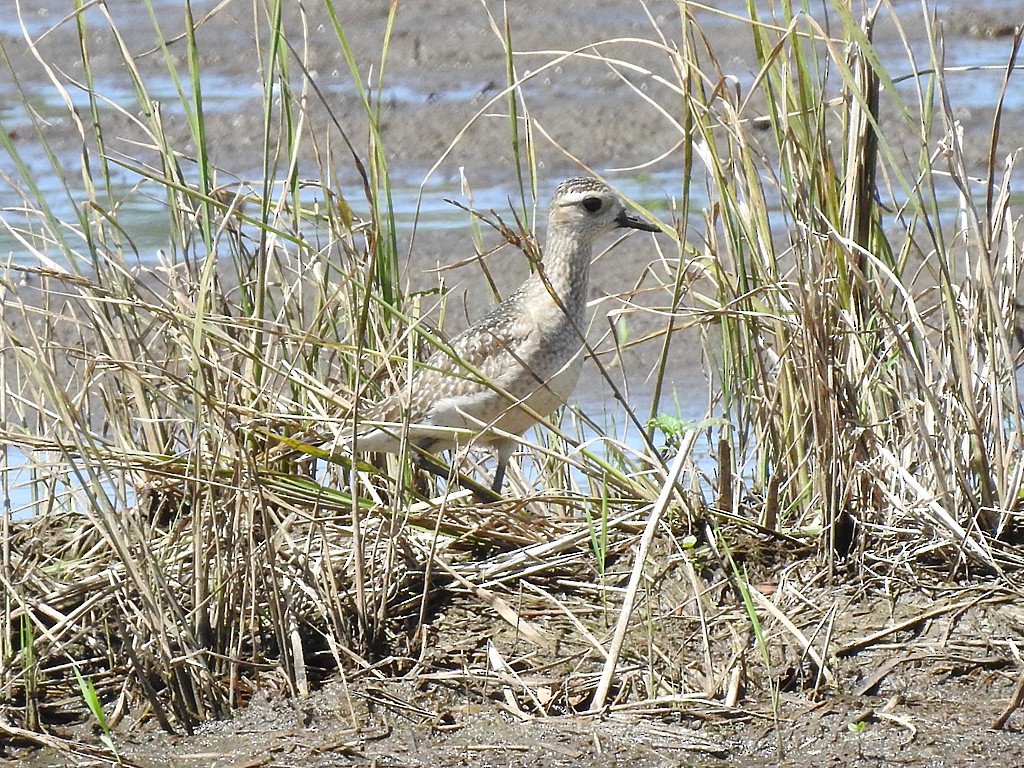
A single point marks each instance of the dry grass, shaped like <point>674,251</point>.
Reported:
<point>869,394</point>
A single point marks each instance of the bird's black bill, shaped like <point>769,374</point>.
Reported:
<point>631,220</point>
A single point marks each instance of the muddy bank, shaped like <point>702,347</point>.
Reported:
<point>440,102</point>
<point>915,686</point>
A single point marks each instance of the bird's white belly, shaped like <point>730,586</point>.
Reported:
<point>515,402</point>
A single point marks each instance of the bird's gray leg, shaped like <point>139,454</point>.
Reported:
<point>438,468</point>
<point>503,451</point>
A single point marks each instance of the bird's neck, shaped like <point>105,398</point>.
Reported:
<point>563,274</point>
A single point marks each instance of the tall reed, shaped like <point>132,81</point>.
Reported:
<point>868,374</point>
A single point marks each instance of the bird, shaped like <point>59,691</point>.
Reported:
<point>522,360</point>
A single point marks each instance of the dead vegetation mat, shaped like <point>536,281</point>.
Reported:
<point>479,619</point>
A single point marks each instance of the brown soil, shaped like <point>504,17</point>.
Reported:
<point>915,685</point>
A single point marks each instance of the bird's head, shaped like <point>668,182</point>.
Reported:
<point>589,208</point>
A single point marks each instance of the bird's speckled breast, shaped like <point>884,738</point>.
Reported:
<point>538,367</point>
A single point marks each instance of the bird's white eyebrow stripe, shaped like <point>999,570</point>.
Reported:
<point>570,198</point>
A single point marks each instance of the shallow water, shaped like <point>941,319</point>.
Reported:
<point>415,85</point>
<point>231,89</point>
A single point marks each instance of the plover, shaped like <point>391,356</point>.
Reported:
<point>522,360</point>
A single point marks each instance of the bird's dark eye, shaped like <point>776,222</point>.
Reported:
<point>592,204</point>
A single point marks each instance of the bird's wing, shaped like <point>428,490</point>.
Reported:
<point>479,360</point>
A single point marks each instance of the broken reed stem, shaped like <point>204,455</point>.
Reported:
<point>639,565</point>
<point>725,500</point>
